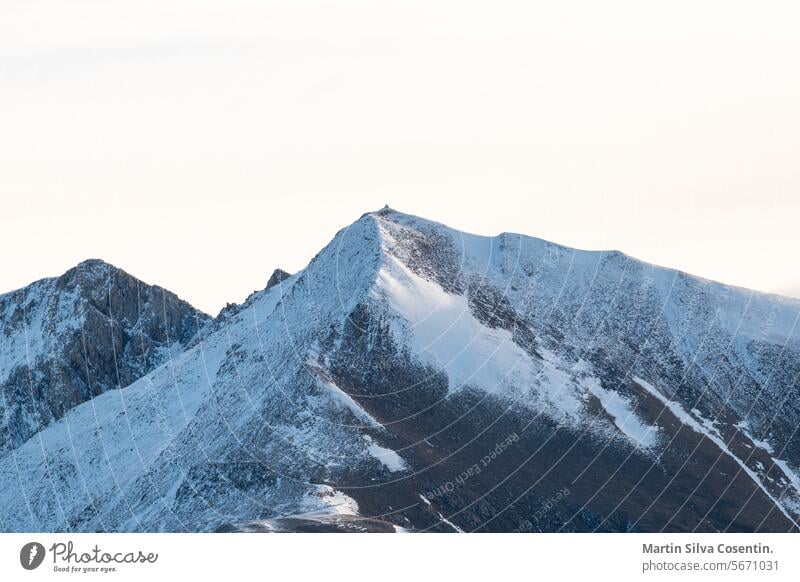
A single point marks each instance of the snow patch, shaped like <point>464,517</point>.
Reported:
<point>626,420</point>
<point>443,332</point>
<point>337,503</point>
<point>450,523</point>
<point>345,400</point>
<point>743,426</point>
<point>787,470</point>
<point>388,458</point>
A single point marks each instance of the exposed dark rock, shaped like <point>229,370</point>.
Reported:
<point>277,276</point>
<point>70,338</point>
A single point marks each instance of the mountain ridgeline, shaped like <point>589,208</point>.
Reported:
<point>411,378</point>
<point>68,339</point>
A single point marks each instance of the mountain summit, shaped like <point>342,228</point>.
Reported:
<point>67,339</point>
<point>416,377</point>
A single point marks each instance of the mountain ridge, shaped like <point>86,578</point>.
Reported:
<point>68,338</point>
<point>281,274</point>
<point>374,388</point>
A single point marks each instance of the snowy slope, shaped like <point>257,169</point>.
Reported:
<point>418,377</point>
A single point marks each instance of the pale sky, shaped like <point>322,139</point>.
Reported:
<point>198,144</point>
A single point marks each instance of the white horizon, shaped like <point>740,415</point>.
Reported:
<point>201,144</point>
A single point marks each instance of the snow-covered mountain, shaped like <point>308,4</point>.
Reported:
<point>65,340</point>
<point>414,377</point>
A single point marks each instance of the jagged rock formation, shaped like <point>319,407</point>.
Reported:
<point>277,276</point>
<point>68,339</point>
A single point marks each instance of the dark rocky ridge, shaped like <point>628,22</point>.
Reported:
<point>98,329</point>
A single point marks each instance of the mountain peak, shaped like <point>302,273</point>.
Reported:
<point>277,276</point>
<point>92,268</point>
<point>384,211</point>
<point>69,338</point>
<point>93,262</point>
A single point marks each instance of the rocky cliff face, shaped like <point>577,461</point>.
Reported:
<point>68,339</point>
<point>416,377</point>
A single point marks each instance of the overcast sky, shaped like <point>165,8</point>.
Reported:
<point>199,144</point>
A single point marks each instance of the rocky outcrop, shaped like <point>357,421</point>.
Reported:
<point>277,276</point>
<point>65,340</point>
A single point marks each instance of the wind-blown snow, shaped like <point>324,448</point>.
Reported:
<point>448,336</point>
<point>624,417</point>
<point>443,332</point>
<point>347,402</point>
